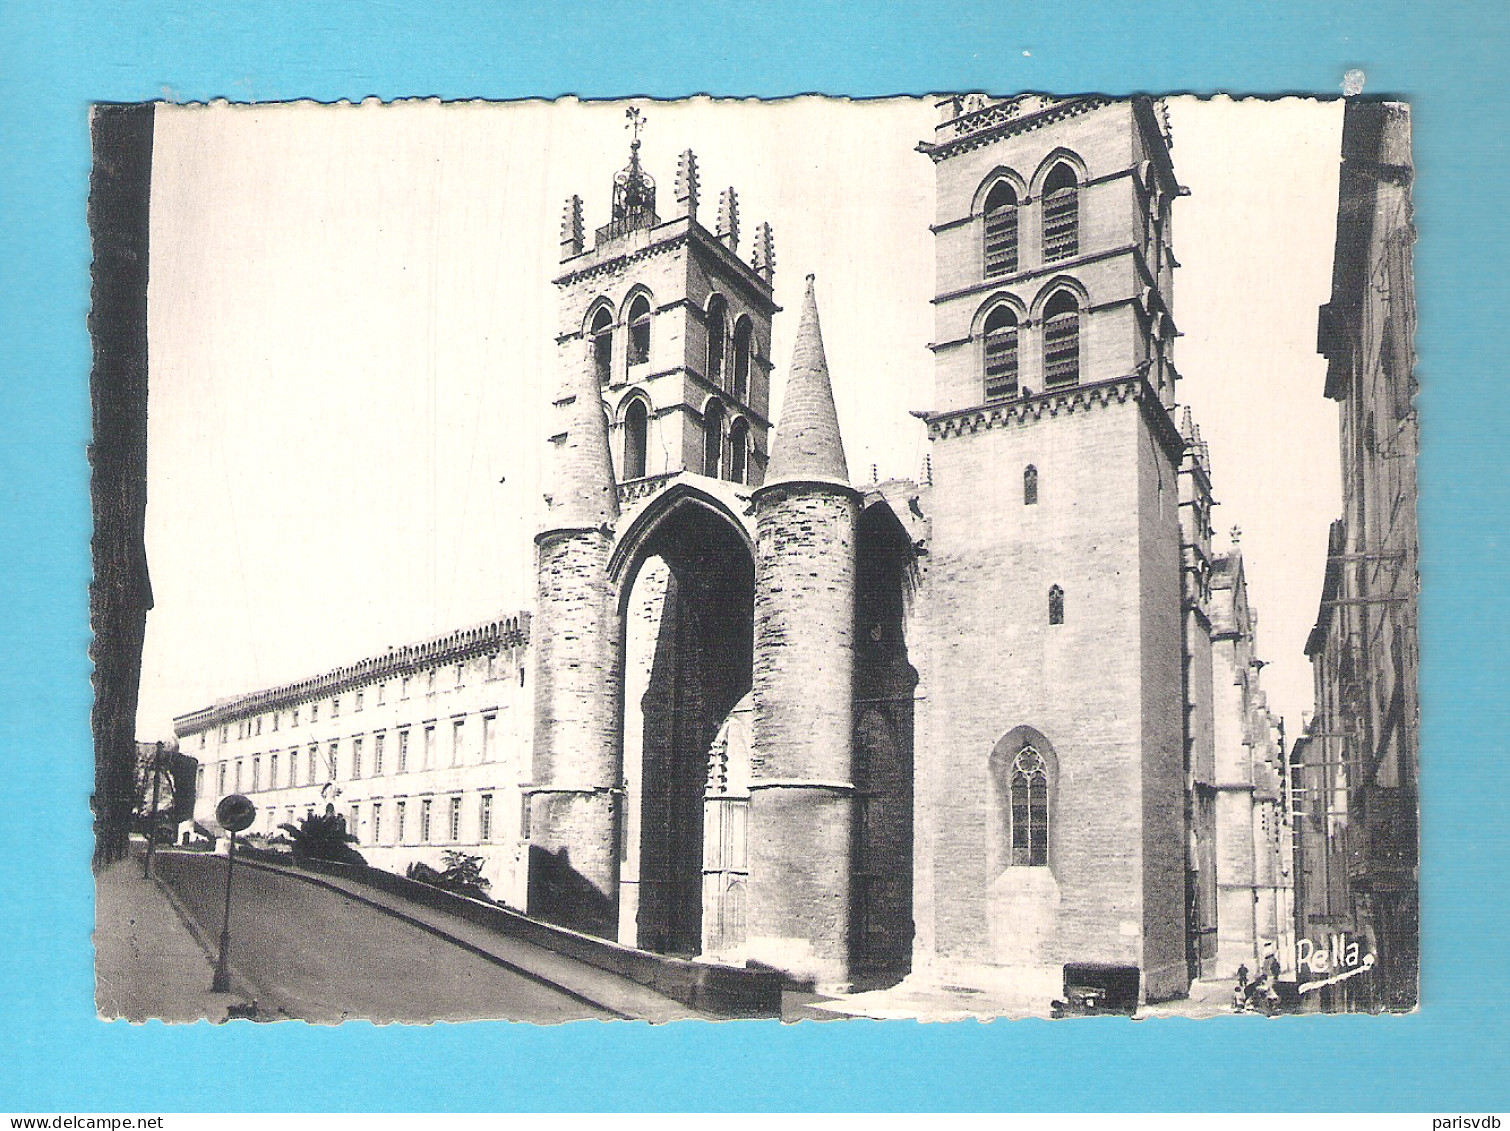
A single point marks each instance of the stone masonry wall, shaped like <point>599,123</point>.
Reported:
<point>801,805</point>
<point>574,811</point>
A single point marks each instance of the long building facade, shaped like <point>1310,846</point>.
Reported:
<point>965,729</point>
<point>1359,762</point>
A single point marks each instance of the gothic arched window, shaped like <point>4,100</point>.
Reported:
<point>1061,214</point>
<point>1061,341</point>
<point>602,345</point>
<point>713,438</point>
<point>1030,809</point>
<point>639,330</point>
<point>1000,333</point>
<point>1000,230</point>
<point>718,331</point>
<point>1056,605</point>
<point>636,429</point>
<point>739,450</point>
<point>1029,485</point>
<point>742,344</point>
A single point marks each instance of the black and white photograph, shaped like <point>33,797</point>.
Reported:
<point>923,558</point>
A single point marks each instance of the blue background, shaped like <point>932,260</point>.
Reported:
<point>1447,58</point>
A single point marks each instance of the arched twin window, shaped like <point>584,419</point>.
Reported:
<point>1061,340</point>
<point>1029,791</point>
<point>1061,214</point>
<point>1000,333</point>
<point>636,438</point>
<point>1000,230</point>
<point>742,344</point>
<point>639,330</point>
<point>713,438</point>
<point>718,332</point>
<point>602,345</point>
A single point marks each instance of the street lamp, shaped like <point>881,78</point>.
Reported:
<point>234,813</point>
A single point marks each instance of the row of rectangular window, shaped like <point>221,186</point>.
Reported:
<point>252,728</point>
<point>358,750</point>
<point>398,831</point>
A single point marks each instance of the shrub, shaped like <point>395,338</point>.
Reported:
<point>323,836</point>
<point>462,875</point>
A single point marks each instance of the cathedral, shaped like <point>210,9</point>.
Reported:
<point>969,728</point>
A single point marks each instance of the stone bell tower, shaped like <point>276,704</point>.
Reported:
<point>673,326</point>
<point>1056,772</point>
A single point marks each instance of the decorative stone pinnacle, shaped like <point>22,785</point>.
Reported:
<point>686,184</point>
<point>571,228</point>
<point>763,259</point>
<point>728,219</point>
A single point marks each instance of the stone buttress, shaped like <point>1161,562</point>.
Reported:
<point>802,772</point>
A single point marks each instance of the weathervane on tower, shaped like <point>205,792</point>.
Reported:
<point>633,191</point>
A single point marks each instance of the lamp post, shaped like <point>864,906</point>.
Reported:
<point>234,813</point>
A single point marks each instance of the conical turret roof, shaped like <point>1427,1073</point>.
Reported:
<point>584,491</point>
<point>807,444</point>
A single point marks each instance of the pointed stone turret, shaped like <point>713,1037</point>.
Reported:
<point>571,817</point>
<point>808,445</point>
<point>802,791</point>
<point>585,494</point>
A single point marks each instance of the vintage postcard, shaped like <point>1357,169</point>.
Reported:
<point>723,559</point>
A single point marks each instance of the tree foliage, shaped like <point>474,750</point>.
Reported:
<point>323,836</point>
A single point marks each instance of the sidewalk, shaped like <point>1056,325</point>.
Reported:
<point>147,962</point>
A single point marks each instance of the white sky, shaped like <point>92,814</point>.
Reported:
<point>351,328</point>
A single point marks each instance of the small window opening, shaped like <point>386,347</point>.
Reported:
<point>718,331</point>
<point>602,346</point>
<point>1061,341</point>
<point>742,346</point>
<point>1056,605</point>
<point>639,331</point>
<point>713,438</point>
<point>1001,230</point>
<point>739,444</point>
<point>636,429</point>
<point>1061,214</point>
<point>1001,354</point>
<point>1030,809</point>
<point>1029,485</point>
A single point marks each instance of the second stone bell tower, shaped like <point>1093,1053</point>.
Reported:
<point>673,325</point>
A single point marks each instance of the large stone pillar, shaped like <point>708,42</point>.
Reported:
<point>802,791</point>
<point>574,802</point>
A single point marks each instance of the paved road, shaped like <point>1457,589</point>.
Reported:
<point>319,955</point>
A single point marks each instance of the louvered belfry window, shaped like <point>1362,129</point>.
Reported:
<point>1061,215</point>
<point>1061,341</point>
<point>1001,231</point>
<point>1001,354</point>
